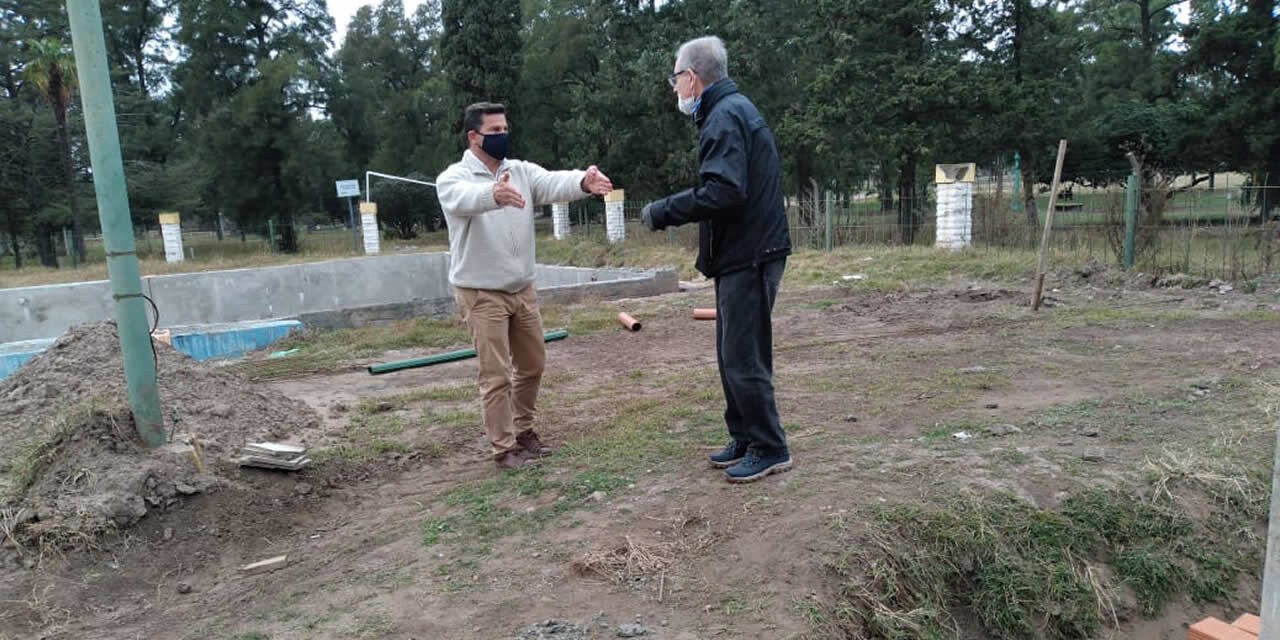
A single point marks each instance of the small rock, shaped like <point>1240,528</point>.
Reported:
<point>1089,433</point>
<point>186,489</point>
<point>631,631</point>
<point>1093,455</point>
<point>29,562</point>
<point>1002,429</point>
<point>993,405</point>
<point>978,369</point>
<point>851,418</point>
<point>666,622</point>
<point>596,497</point>
<point>221,411</point>
<point>1200,393</point>
<point>1066,443</point>
<point>302,488</point>
<point>168,533</point>
<point>184,587</point>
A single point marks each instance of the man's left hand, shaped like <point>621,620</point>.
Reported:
<point>596,181</point>
<point>646,217</point>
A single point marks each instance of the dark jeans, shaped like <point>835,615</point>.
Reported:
<point>744,350</point>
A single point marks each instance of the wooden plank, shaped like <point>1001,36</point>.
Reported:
<point>1048,225</point>
<point>264,566</point>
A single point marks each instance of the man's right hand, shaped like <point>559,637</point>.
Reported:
<point>505,194</point>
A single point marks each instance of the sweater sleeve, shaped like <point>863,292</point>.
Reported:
<point>461,197</point>
<point>550,187</point>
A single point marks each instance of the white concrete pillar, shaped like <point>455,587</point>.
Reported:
<point>171,233</point>
<point>614,216</point>
<point>369,226</point>
<point>560,220</point>
<point>955,205</point>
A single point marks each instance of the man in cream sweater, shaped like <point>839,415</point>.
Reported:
<point>488,202</point>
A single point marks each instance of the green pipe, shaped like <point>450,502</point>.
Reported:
<point>449,356</point>
<point>113,213</point>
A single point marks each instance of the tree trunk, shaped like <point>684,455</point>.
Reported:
<point>1269,198</point>
<point>45,246</point>
<point>906,200</point>
<point>69,174</point>
<point>13,237</point>
<point>1029,193</point>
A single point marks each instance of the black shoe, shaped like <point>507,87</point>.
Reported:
<point>729,456</point>
<point>756,465</point>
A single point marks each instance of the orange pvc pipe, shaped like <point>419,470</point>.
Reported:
<point>704,314</point>
<point>627,321</point>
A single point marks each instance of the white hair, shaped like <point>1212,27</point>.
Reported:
<point>706,56</point>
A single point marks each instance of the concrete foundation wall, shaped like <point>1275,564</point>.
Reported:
<point>334,293</point>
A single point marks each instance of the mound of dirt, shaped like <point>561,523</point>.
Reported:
<point>71,462</point>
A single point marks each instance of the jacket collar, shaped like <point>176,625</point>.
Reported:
<point>474,164</point>
<point>710,96</point>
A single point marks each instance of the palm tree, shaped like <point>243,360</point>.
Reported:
<point>52,69</point>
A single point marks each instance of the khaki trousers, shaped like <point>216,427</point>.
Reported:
<point>506,331</point>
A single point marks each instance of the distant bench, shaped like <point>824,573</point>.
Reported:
<point>1068,206</point>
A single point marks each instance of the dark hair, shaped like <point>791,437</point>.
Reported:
<point>473,117</point>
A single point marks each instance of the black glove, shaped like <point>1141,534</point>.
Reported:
<point>646,217</point>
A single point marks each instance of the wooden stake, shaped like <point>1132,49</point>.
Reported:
<point>1048,224</point>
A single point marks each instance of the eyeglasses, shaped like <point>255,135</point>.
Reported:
<point>671,79</point>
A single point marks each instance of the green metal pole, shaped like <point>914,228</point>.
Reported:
<point>271,234</point>
<point>1016,205</point>
<point>1130,219</point>
<point>830,205</point>
<point>113,213</point>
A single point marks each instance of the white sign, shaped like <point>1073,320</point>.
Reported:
<point>348,188</point>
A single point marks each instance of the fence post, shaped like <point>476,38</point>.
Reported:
<point>560,220</point>
<point>830,205</point>
<point>271,234</point>
<point>615,221</point>
<point>1130,219</point>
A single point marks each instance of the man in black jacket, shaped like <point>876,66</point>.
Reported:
<point>743,243</point>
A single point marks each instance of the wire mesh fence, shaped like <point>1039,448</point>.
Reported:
<point>1217,232</point>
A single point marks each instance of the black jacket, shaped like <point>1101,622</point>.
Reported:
<point>738,203</point>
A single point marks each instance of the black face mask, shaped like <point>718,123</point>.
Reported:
<point>495,144</point>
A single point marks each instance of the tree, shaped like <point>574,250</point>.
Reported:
<point>893,82</point>
<point>51,69</point>
<point>254,71</point>
<point>481,52</point>
<point>1231,52</point>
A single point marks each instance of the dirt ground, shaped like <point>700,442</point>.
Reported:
<point>405,530</point>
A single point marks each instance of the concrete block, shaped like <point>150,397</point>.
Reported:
<point>47,311</point>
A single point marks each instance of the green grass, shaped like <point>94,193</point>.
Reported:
<point>1021,571</point>
<point>642,435</point>
<point>30,455</point>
